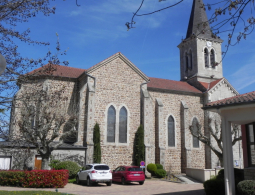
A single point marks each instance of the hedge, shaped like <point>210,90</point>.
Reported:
<point>160,173</point>
<point>214,186</point>
<point>151,168</point>
<point>159,166</point>
<point>35,178</point>
<point>11,178</point>
<point>71,166</point>
<point>246,187</point>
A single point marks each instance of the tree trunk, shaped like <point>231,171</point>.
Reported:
<point>45,162</point>
<point>221,161</point>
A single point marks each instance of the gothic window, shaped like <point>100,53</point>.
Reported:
<point>31,110</point>
<point>195,131</point>
<point>206,58</point>
<point>171,132</point>
<point>186,61</point>
<point>123,125</point>
<point>190,60</point>
<point>111,121</point>
<point>212,58</point>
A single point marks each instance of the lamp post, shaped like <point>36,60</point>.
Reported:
<point>2,64</point>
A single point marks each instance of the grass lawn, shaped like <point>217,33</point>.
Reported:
<point>72,180</point>
<point>31,193</point>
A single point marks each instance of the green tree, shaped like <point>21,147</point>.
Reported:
<point>139,150</point>
<point>97,146</point>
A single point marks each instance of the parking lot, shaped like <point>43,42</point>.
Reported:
<point>155,187</point>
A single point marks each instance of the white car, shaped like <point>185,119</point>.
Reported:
<point>95,173</point>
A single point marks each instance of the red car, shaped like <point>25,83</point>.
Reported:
<point>126,174</point>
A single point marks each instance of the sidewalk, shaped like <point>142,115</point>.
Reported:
<point>150,187</point>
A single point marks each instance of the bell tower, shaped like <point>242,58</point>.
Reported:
<point>200,51</point>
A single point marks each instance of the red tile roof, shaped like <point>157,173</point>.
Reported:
<point>209,86</point>
<point>57,70</point>
<point>172,85</point>
<point>239,99</point>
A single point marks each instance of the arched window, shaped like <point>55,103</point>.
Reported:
<point>111,121</point>
<point>206,58</point>
<point>123,125</point>
<point>186,62</point>
<point>190,60</point>
<point>171,131</point>
<point>212,58</point>
<point>31,112</point>
<point>195,125</point>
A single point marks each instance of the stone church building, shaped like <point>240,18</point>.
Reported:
<point>120,97</point>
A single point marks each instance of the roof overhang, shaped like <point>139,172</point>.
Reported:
<point>238,113</point>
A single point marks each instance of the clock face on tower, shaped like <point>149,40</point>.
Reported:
<point>209,44</point>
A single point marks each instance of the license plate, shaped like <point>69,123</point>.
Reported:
<point>136,174</point>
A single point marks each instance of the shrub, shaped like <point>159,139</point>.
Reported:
<point>159,166</point>
<point>97,147</point>
<point>71,166</point>
<point>246,187</point>
<point>35,179</point>
<point>53,163</point>
<point>214,186</point>
<point>139,150</point>
<point>45,179</point>
<point>238,173</point>
<point>160,173</point>
<point>11,178</point>
<point>152,168</point>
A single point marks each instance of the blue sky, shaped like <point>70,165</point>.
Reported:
<point>96,30</point>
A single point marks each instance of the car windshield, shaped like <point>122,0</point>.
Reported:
<point>101,167</point>
<point>135,169</point>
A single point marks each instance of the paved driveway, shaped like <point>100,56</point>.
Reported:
<point>150,187</point>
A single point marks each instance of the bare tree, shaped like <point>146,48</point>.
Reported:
<point>41,122</point>
<point>13,12</point>
<point>215,130</point>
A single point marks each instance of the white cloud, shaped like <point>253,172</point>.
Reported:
<point>244,76</point>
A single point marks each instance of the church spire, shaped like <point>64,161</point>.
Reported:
<point>198,22</point>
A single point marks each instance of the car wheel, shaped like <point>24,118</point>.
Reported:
<point>141,182</point>
<point>123,182</point>
<point>109,183</point>
<point>78,180</point>
<point>88,182</point>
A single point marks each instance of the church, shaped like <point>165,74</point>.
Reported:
<point>119,97</point>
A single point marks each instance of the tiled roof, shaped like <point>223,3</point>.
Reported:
<point>57,70</point>
<point>171,85</point>
<point>209,86</point>
<point>239,99</point>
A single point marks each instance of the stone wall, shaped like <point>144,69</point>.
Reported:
<point>118,85</point>
<point>172,107</point>
<point>66,108</point>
